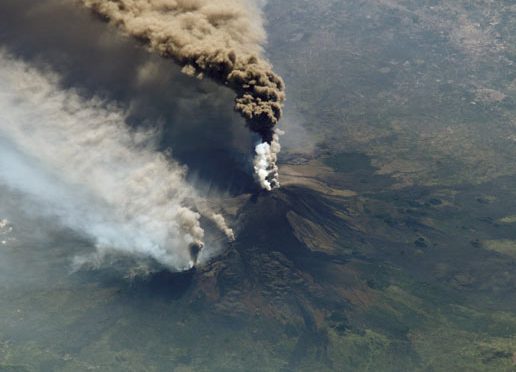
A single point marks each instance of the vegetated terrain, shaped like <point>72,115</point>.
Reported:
<point>391,247</point>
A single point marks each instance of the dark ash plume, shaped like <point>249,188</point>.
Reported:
<point>222,40</point>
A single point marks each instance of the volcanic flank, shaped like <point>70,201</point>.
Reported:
<point>222,40</point>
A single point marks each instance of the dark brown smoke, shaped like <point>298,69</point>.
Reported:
<point>220,39</point>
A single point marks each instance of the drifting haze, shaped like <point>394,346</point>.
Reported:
<point>222,40</point>
<point>79,163</point>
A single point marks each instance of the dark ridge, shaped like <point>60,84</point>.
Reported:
<point>265,223</point>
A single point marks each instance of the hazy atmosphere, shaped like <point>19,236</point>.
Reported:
<point>248,185</point>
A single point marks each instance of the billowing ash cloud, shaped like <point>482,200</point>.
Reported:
<point>77,162</point>
<point>221,39</point>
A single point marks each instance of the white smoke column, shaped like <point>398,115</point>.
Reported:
<point>220,222</point>
<point>80,164</point>
<point>265,167</point>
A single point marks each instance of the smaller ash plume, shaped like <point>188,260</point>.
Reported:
<point>219,39</point>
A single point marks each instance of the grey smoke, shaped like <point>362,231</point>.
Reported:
<point>79,163</point>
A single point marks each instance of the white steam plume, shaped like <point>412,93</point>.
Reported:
<point>79,163</point>
<point>265,160</point>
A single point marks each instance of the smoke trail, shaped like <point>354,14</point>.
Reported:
<point>79,163</point>
<point>222,40</point>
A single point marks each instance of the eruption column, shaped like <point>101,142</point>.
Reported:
<point>220,39</point>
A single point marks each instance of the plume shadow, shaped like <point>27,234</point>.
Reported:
<point>195,117</point>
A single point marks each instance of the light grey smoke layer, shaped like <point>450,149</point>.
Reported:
<point>79,163</point>
<point>221,39</point>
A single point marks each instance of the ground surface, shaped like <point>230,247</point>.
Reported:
<point>391,246</point>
